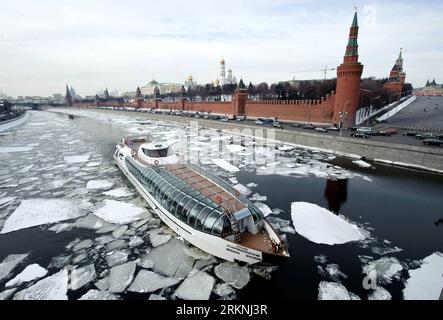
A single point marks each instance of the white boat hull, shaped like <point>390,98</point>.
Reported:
<point>213,245</point>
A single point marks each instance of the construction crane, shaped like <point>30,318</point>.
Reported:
<point>325,71</point>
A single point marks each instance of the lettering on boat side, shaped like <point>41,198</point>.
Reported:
<point>224,309</point>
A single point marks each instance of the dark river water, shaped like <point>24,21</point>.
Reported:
<point>402,209</point>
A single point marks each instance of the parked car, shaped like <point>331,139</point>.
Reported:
<point>440,137</point>
<point>352,129</point>
<point>366,130</point>
<point>321,130</point>
<point>308,127</point>
<point>224,119</point>
<point>410,134</point>
<point>425,136</point>
<point>360,135</point>
<point>259,122</point>
<point>333,128</point>
<point>276,124</point>
<point>433,142</point>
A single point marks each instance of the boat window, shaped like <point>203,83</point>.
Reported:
<point>201,217</point>
<point>167,193</point>
<point>180,206</point>
<point>194,213</point>
<point>210,220</point>
<point>227,229</point>
<point>218,226</point>
<point>170,198</point>
<point>187,209</point>
<point>175,202</point>
<point>157,153</point>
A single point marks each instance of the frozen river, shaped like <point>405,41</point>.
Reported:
<point>71,225</point>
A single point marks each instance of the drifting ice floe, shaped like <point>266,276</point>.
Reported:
<point>99,185</point>
<point>198,286</point>
<point>171,259</point>
<point>156,297</point>
<point>426,282</point>
<point>362,164</point>
<point>234,275</point>
<point>6,200</point>
<point>82,276</point>
<point>263,208</point>
<point>225,165</point>
<point>121,277</point>
<point>119,212</point>
<point>380,294</point>
<point>77,159</point>
<point>9,264</point>
<point>332,271</point>
<point>5,295</point>
<point>242,189</point>
<point>117,257</point>
<point>158,239</point>
<point>223,290</point>
<point>30,273</point>
<point>98,295</point>
<point>148,281</point>
<point>54,287</point>
<point>118,193</point>
<point>322,226</point>
<point>36,212</point>
<point>386,268</point>
<point>332,291</point>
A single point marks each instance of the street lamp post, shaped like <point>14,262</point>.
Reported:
<point>342,114</point>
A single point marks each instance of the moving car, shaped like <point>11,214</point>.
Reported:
<point>433,142</point>
<point>224,119</point>
<point>384,133</point>
<point>360,135</point>
<point>425,136</point>
<point>259,122</point>
<point>276,124</point>
<point>333,128</point>
<point>321,130</point>
<point>410,133</point>
<point>308,127</point>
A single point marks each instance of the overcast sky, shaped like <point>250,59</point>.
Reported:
<point>123,44</point>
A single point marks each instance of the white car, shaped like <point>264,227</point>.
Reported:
<point>259,122</point>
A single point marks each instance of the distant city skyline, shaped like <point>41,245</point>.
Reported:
<point>119,45</point>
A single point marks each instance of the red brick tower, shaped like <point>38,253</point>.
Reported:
<point>397,77</point>
<point>139,98</point>
<point>348,81</point>
<point>239,101</point>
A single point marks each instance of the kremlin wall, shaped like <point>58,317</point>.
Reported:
<point>335,108</point>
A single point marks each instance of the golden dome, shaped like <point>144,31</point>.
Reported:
<point>222,61</point>
<point>217,82</point>
<point>190,78</point>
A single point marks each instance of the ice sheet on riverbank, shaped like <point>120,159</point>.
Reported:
<point>322,226</point>
<point>36,212</point>
<point>120,212</point>
<point>426,282</point>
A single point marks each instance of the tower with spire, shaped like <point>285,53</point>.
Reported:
<point>397,77</point>
<point>222,72</point>
<point>348,81</point>
<point>68,97</point>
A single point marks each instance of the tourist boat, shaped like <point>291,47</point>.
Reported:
<point>198,206</point>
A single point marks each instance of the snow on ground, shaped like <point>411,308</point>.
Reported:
<point>36,212</point>
<point>426,282</point>
<point>225,165</point>
<point>99,185</point>
<point>54,287</point>
<point>120,212</point>
<point>9,264</point>
<point>148,281</point>
<point>118,193</point>
<point>30,273</point>
<point>198,286</point>
<point>362,164</point>
<point>15,149</point>
<point>77,159</point>
<point>322,226</point>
